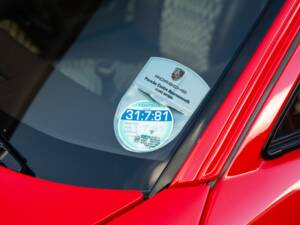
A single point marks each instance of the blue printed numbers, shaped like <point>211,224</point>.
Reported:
<point>147,115</point>
<point>129,114</point>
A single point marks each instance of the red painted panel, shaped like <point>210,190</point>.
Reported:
<point>176,206</point>
<point>284,211</point>
<point>254,190</point>
<point>244,198</point>
<point>27,200</point>
<point>213,148</point>
<point>248,157</point>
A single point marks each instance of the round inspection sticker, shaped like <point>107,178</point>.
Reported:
<point>145,126</point>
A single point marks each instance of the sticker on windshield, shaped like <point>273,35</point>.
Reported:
<point>173,84</point>
<point>157,105</point>
<point>145,126</point>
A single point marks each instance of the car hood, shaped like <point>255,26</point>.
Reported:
<point>37,201</point>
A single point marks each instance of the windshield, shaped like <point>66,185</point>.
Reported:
<point>98,93</point>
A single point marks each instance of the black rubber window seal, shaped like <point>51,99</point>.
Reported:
<point>277,146</point>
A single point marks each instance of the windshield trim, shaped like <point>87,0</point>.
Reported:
<point>206,111</point>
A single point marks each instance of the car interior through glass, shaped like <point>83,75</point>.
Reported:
<point>65,65</point>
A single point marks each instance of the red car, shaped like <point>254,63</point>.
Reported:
<point>164,112</point>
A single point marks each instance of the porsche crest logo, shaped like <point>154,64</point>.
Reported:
<point>177,74</point>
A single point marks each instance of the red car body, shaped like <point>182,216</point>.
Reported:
<point>223,181</point>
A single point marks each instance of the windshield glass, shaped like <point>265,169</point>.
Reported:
<point>97,93</point>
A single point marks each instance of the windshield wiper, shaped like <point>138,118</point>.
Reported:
<point>10,149</point>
